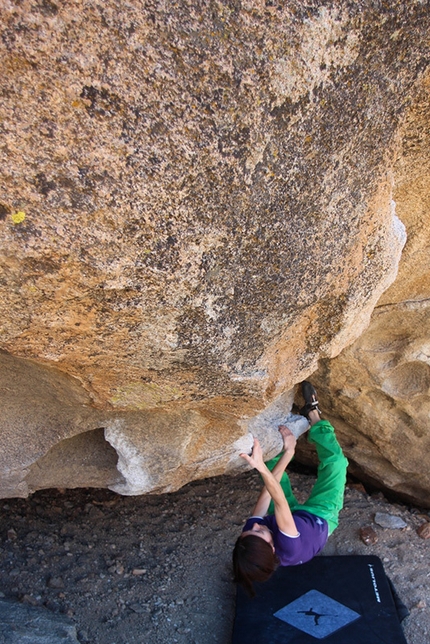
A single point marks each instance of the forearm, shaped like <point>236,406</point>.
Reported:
<point>272,482</point>
<point>262,505</point>
<point>264,499</point>
<point>282,464</point>
<point>273,489</point>
<point>283,514</point>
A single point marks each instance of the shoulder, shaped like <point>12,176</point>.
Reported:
<point>250,522</point>
<point>309,520</point>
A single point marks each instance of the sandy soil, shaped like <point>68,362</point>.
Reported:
<point>156,569</point>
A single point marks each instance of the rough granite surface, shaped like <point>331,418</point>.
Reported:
<point>196,205</point>
<point>377,391</point>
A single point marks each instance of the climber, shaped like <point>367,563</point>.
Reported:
<point>281,532</point>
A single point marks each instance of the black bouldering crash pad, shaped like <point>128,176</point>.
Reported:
<point>331,599</point>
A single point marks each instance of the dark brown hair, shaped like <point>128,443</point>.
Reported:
<point>253,560</point>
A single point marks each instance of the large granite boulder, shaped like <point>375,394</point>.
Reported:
<point>197,205</point>
<point>377,392</point>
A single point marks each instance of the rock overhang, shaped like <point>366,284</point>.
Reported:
<point>208,207</point>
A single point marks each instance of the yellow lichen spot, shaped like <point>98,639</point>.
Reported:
<point>18,217</point>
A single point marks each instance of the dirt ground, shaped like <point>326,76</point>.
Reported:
<point>157,569</point>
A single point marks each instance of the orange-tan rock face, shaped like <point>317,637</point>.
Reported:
<point>378,390</point>
<point>195,207</point>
